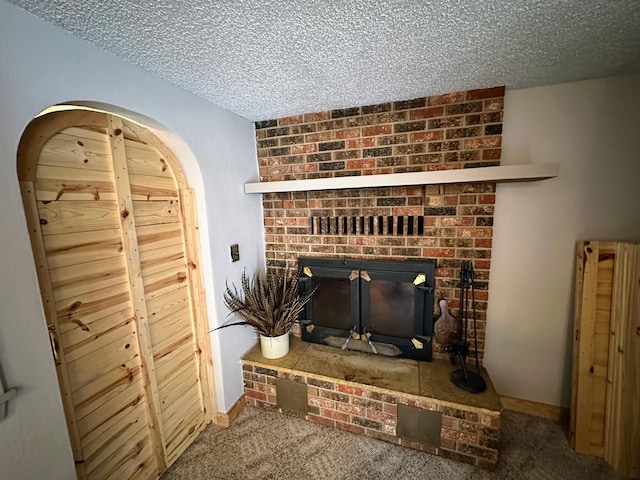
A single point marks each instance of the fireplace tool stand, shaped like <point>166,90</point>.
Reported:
<point>468,380</point>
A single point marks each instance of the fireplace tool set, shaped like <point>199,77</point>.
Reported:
<point>468,380</point>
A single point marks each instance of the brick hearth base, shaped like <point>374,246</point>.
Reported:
<point>401,401</point>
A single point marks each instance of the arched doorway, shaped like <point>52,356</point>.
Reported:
<point>113,231</point>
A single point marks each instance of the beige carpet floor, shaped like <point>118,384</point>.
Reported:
<point>265,445</point>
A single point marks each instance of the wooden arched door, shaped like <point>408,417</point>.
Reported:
<point>113,233</point>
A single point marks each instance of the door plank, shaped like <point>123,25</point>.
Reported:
<point>90,397</point>
<point>130,240</point>
<point>151,237</point>
<point>129,450</point>
<point>148,187</point>
<point>42,128</point>
<point>77,148</point>
<point>146,470</point>
<point>79,279</point>
<point>143,135</point>
<point>586,380</point>
<point>198,301</point>
<point>186,433</point>
<point>173,360</point>
<point>174,387</point>
<point>171,263</point>
<point>99,444</point>
<point>42,264</point>
<point>174,346</point>
<point>80,350</point>
<point>119,463</point>
<point>166,383</point>
<point>168,328</point>
<point>153,212</point>
<point>63,183</point>
<point>101,361</point>
<point>74,248</point>
<point>166,281</point>
<point>77,216</point>
<point>79,336</point>
<point>593,314</point>
<point>136,464</point>
<point>143,159</point>
<point>181,404</point>
<point>622,417</point>
<point>80,311</point>
<point>174,368</point>
<point>93,426</point>
<point>153,261</point>
<point>168,304</point>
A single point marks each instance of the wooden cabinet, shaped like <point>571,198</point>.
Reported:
<point>114,240</point>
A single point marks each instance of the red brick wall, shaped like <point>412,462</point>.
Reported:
<point>452,131</point>
<point>467,435</point>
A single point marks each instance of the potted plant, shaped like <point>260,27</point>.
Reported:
<point>271,304</point>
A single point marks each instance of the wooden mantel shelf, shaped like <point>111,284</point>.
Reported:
<point>504,173</point>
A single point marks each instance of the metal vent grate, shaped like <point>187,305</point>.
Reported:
<point>368,225</point>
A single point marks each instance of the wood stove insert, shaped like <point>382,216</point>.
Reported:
<point>377,306</point>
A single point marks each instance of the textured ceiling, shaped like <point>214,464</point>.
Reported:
<point>268,59</point>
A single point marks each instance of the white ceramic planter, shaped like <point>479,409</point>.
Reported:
<point>274,347</point>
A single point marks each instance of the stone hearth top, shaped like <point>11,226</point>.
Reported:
<point>391,375</point>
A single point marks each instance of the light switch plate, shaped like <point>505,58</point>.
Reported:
<point>235,252</point>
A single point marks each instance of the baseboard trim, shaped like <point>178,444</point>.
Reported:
<point>535,408</point>
<point>225,419</point>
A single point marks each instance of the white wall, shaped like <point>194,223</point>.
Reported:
<point>591,129</point>
<point>40,66</point>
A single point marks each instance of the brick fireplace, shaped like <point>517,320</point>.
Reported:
<point>400,400</point>
<point>446,223</point>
